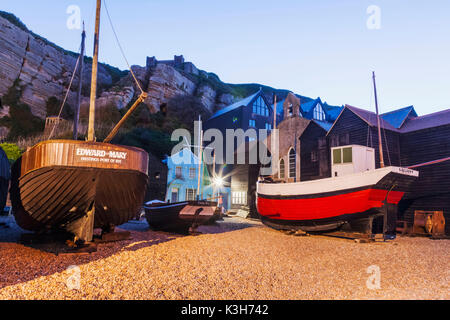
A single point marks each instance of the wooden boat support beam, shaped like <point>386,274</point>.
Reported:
<point>114,131</point>
<point>83,228</point>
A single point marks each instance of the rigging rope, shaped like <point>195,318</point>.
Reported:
<point>387,146</point>
<point>67,94</point>
<point>429,163</point>
<point>120,47</point>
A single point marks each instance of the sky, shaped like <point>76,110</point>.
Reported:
<point>325,48</point>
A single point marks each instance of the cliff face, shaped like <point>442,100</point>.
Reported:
<point>44,70</point>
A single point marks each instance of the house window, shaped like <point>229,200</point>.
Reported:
<point>252,123</point>
<point>314,156</point>
<point>290,110</point>
<point>319,114</point>
<point>281,169</point>
<point>192,173</point>
<point>239,197</point>
<point>190,194</point>
<point>292,160</point>
<point>178,172</point>
<point>260,107</point>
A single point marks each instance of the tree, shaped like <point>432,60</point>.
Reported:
<point>12,151</point>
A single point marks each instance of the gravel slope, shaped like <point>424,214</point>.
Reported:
<point>235,259</point>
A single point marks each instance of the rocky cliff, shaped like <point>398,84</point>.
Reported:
<point>43,70</point>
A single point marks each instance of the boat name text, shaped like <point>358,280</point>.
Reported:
<point>101,153</point>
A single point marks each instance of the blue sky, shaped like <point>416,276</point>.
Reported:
<point>314,48</point>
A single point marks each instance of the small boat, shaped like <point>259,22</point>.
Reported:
<point>350,200</point>
<point>185,215</point>
<point>76,186</point>
<point>180,216</point>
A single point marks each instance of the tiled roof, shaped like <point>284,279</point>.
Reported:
<point>371,118</point>
<point>308,106</point>
<point>243,102</point>
<point>409,124</point>
<point>332,112</point>
<point>397,117</point>
<point>279,106</point>
<point>324,124</point>
<point>431,120</point>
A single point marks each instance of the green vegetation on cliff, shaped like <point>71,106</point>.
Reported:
<point>21,122</point>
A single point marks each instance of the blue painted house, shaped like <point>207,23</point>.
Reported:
<point>182,180</point>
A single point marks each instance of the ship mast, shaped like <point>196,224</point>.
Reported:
<point>380,144</point>
<point>200,156</point>
<point>80,85</point>
<point>91,133</point>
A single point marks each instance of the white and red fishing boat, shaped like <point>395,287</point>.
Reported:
<point>353,199</point>
<point>356,193</point>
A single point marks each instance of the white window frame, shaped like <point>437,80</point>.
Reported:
<point>289,163</point>
<point>319,114</point>
<point>239,197</point>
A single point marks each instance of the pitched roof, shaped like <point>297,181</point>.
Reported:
<point>184,157</point>
<point>308,106</point>
<point>397,117</point>
<point>324,124</point>
<point>431,120</point>
<point>371,118</point>
<point>408,124</point>
<point>279,106</point>
<point>332,111</point>
<point>243,102</point>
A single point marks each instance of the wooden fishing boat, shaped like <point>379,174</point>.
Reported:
<point>328,204</point>
<point>181,216</point>
<point>76,185</point>
<point>57,183</point>
<point>352,198</point>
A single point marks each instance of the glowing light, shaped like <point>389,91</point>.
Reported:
<point>218,181</point>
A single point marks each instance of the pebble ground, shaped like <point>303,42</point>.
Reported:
<point>233,259</point>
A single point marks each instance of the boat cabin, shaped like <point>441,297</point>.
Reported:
<point>351,159</point>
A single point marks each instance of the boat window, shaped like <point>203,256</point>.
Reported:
<point>347,155</point>
<point>337,156</point>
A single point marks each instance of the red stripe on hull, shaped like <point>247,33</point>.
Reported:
<point>326,207</point>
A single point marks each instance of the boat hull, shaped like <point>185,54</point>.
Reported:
<point>290,207</point>
<point>53,188</point>
<point>177,216</point>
